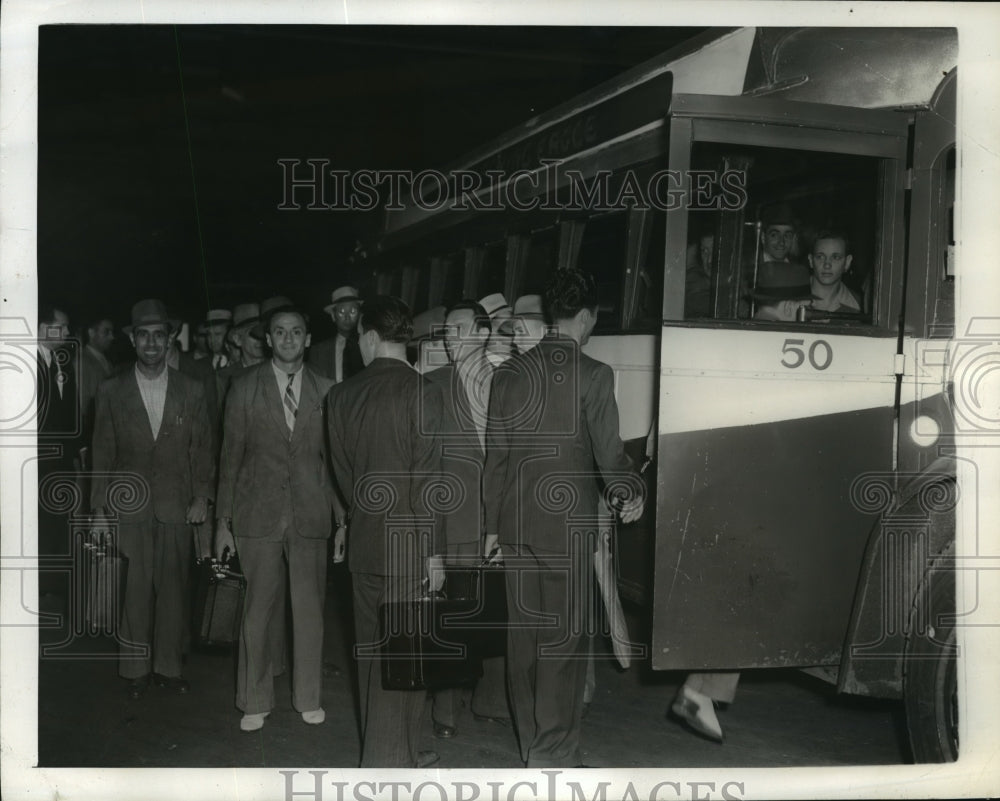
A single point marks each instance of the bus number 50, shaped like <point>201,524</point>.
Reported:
<point>820,354</point>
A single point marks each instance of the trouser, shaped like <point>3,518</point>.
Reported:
<point>390,719</point>
<point>719,687</point>
<point>157,582</point>
<point>547,650</point>
<point>489,698</point>
<point>264,564</point>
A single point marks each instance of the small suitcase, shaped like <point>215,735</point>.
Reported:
<point>105,587</point>
<point>218,607</point>
<point>440,640</point>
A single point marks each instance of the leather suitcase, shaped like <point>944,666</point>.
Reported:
<point>220,591</point>
<point>440,640</point>
<point>106,572</point>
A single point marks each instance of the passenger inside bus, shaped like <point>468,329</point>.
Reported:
<point>698,277</point>
<point>829,261</point>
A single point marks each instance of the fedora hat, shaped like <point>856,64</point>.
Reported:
<point>245,314</point>
<point>151,312</point>
<point>494,304</point>
<point>343,294</point>
<point>777,214</point>
<point>219,317</point>
<point>529,306</point>
<point>782,280</point>
<point>267,309</point>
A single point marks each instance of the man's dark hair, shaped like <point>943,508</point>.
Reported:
<point>480,318</point>
<point>389,317</point>
<point>47,311</point>
<point>292,309</point>
<point>568,293</point>
<point>833,233</point>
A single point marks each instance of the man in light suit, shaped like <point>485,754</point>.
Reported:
<point>275,505</point>
<point>386,460</point>
<point>464,385</point>
<point>552,417</point>
<point>339,358</point>
<point>152,420</point>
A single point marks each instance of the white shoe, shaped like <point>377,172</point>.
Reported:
<point>315,717</point>
<point>253,722</point>
<point>698,712</point>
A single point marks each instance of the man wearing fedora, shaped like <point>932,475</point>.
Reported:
<point>217,323</point>
<point>251,350</point>
<point>276,504</point>
<point>340,358</point>
<point>152,421</point>
<point>500,346</point>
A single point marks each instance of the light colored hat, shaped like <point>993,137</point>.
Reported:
<point>529,306</point>
<point>494,304</point>
<point>344,294</point>
<point>219,317</point>
<point>151,312</point>
<point>425,322</point>
<point>245,314</point>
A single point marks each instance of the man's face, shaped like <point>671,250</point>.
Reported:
<point>345,315</point>
<point>778,241</point>
<point>151,343</point>
<point>461,337</point>
<point>54,332</point>
<point>252,347</point>
<point>502,339</point>
<point>829,261</point>
<point>101,335</point>
<point>705,247</point>
<point>287,337</point>
<point>216,335</point>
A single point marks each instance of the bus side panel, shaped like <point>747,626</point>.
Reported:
<point>758,545</point>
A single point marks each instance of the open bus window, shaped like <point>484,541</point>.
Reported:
<point>602,254</point>
<point>649,289</point>
<point>491,279</point>
<point>542,259</point>
<point>803,234</point>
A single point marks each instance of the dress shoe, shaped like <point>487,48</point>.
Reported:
<point>426,758</point>
<point>315,717</point>
<point>137,687</point>
<point>177,684</point>
<point>490,719</point>
<point>697,711</point>
<point>253,722</point>
<point>443,731</point>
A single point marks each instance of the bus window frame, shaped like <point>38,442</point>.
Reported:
<point>793,125</point>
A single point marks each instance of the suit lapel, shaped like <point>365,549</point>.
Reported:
<point>135,410</point>
<point>308,399</point>
<point>272,399</point>
<point>173,405</point>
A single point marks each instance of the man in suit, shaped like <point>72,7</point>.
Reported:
<point>386,461</point>
<point>94,368</point>
<point>339,358</point>
<point>152,420</point>
<point>275,505</point>
<point>553,416</point>
<point>464,386</point>
<point>217,323</point>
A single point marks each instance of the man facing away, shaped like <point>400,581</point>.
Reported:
<point>553,415</point>
<point>386,461</point>
<point>152,420</point>
<point>464,386</point>
<point>274,509</point>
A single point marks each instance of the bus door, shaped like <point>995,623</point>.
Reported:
<point>768,414</point>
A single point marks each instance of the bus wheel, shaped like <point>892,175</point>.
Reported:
<point>930,684</point>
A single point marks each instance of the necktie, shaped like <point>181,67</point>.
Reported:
<point>57,373</point>
<point>291,407</point>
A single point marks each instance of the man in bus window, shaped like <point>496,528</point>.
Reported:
<point>782,288</point>
<point>698,278</point>
<point>778,234</point>
<point>500,346</point>
<point>829,261</point>
<point>553,415</point>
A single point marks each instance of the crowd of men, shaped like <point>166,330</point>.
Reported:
<point>256,442</point>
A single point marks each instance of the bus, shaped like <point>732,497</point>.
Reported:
<point>804,489</point>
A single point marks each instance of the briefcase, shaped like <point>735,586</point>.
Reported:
<point>440,640</point>
<point>220,590</point>
<point>106,572</point>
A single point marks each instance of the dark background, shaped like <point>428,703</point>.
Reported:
<point>158,145</point>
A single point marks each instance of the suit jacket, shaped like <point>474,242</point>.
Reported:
<point>462,457</point>
<point>178,465</point>
<point>92,372</point>
<point>386,459</point>
<point>322,358</point>
<point>58,414</point>
<point>267,482</point>
<point>553,434</point>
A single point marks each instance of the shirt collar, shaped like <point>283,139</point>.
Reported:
<point>160,379</point>
<point>281,373</point>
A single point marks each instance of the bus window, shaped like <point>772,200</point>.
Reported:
<point>602,254</point>
<point>767,235</point>
<point>649,292</point>
<point>543,255</point>
<point>492,279</point>
<point>454,278</point>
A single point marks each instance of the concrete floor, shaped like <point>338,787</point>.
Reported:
<point>780,718</point>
